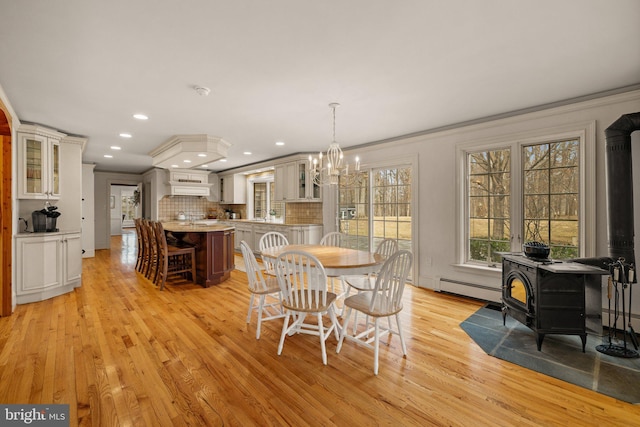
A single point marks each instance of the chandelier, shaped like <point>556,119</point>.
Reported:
<point>326,170</point>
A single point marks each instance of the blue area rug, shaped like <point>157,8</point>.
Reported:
<point>561,356</point>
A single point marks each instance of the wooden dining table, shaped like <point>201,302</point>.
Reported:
<point>335,260</point>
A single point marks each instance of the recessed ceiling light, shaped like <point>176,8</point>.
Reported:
<point>125,135</point>
<point>108,156</point>
<point>204,166</point>
<point>175,166</point>
<point>202,155</point>
<point>115,147</point>
<point>187,161</point>
<point>140,116</point>
<point>247,153</point>
<point>279,143</point>
<point>223,160</point>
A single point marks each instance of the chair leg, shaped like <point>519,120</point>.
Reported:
<point>404,347</point>
<point>250,308</point>
<point>260,308</point>
<point>343,332</point>
<point>193,268</point>
<point>376,346</point>
<point>284,332</point>
<point>322,343</point>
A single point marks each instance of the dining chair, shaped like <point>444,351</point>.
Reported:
<point>148,251</point>
<point>334,238</point>
<point>173,260</point>
<point>366,282</point>
<point>140,255</point>
<point>269,240</point>
<point>303,282</point>
<point>385,300</point>
<point>262,287</point>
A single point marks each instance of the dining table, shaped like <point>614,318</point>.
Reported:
<point>337,261</point>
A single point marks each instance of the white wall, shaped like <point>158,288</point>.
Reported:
<point>436,157</point>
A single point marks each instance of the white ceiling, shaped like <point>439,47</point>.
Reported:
<point>396,67</point>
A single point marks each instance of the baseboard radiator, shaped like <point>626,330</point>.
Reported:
<point>474,290</point>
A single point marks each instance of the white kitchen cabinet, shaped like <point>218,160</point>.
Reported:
<point>48,265</point>
<point>244,232</point>
<point>233,189</point>
<point>284,178</point>
<point>304,234</point>
<point>38,163</point>
<point>294,184</point>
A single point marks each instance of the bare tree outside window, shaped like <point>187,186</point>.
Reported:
<point>489,183</point>
<point>550,201</point>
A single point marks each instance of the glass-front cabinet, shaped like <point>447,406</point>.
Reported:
<point>39,163</point>
<point>307,189</point>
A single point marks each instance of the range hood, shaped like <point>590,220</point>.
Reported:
<point>189,151</point>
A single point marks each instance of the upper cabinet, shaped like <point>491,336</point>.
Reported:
<point>39,163</point>
<point>233,189</point>
<point>294,184</point>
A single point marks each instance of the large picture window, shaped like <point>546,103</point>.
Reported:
<point>520,192</point>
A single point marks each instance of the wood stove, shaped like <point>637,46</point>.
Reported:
<point>552,297</point>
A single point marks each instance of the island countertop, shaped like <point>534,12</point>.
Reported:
<point>186,227</point>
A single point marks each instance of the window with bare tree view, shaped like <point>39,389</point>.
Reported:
<point>381,204</point>
<point>547,211</point>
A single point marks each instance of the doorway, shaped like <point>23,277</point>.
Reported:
<point>124,206</point>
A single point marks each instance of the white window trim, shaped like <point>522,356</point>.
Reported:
<point>585,132</point>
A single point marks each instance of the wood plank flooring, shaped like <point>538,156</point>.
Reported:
<point>122,353</point>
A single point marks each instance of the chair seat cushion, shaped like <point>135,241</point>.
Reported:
<point>308,306</point>
<point>362,302</point>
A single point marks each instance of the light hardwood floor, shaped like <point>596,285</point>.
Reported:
<point>121,352</point>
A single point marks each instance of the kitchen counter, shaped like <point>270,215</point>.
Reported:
<point>214,244</point>
<point>44,233</point>
<point>257,221</point>
<point>196,226</point>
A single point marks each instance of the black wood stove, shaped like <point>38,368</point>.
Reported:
<point>552,297</point>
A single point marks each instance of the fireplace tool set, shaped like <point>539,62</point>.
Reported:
<point>621,278</point>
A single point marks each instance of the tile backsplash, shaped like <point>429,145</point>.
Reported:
<point>195,207</point>
<point>303,213</point>
<point>170,206</point>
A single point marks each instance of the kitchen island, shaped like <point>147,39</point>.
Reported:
<point>214,245</point>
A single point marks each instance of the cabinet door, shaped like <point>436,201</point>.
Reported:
<point>53,176</point>
<point>33,157</point>
<point>72,254</point>
<point>307,189</point>
<point>39,264</point>
<point>279,180</point>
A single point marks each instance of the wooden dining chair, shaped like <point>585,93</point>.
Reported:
<point>269,306</point>
<point>173,260</point>
<point>385,300</point>
<point>271,239</point>
<point>140,254</point>
<point>303,283</point>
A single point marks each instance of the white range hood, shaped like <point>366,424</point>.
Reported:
<point>189,151</point>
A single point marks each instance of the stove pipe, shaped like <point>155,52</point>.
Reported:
<point>620,186</point>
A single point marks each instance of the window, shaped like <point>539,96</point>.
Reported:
<point>489,183</point>
<point>371,210</point>
<point>526,191</point>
